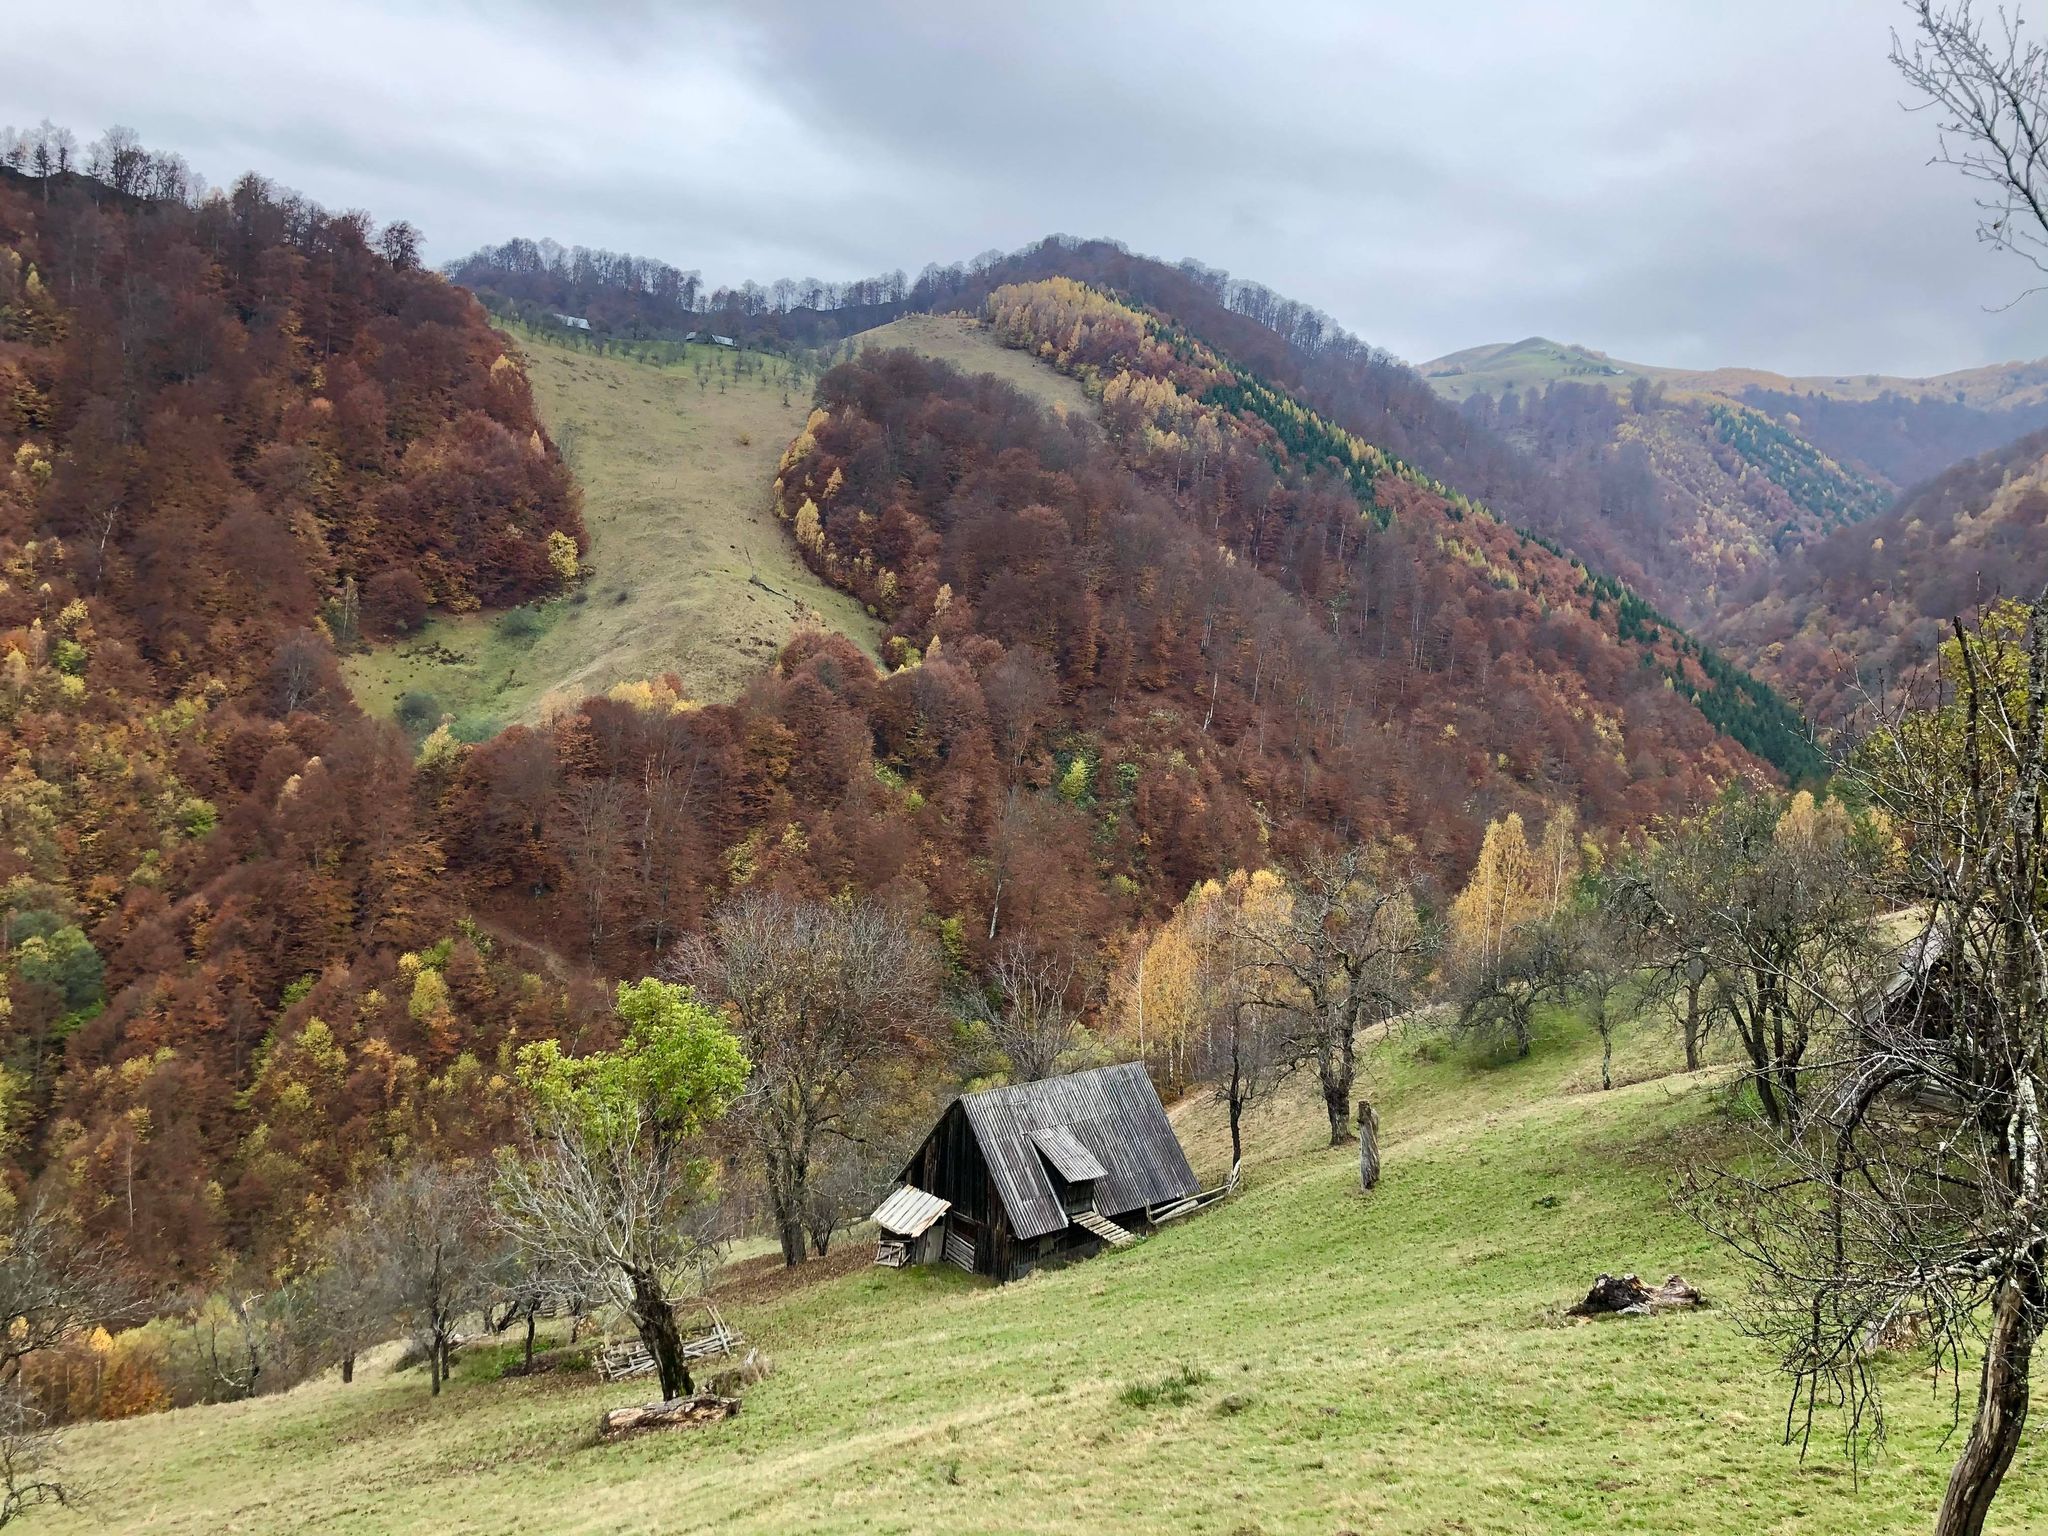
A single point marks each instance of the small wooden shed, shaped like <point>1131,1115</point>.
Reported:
<point>1014,1178</point>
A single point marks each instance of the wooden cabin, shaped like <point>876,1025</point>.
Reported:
<point>1040,1173</point>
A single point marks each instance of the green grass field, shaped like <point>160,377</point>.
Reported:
<point>1301,1359</point>
<point>689,570</point>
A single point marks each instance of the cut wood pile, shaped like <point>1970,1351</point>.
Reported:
<point>1627,1296</point>
<point>704,1408</point>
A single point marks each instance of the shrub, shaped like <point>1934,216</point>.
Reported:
<point>522,625</point>
<point>418,711</point>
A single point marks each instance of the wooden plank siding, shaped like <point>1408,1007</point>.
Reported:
<point>986,1159</point>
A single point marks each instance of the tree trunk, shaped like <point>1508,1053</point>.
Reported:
<point>1236,1130</point>
<point>530,1314</point>
<point>2002,1395</point>
<point>434,1367</point>
<point>348,1367</point>
<point>1606,1056</point>
<point>1368,1145</point>
<point>1692,1027</point>
<point>1337,1071</point>
<point>789,1231</point>
<point>655,1321</point>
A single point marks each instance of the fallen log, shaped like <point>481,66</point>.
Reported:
<point>704,1408</point>
<point>1627,1296</point>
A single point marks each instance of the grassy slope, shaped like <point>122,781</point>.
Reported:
<point>1391,1364</point>
<point>970,347</point>
<point>676,484</point>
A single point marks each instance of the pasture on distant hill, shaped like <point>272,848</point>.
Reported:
<point>687,570</point>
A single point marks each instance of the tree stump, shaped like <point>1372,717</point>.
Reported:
<point>1627,1296</point>
<point>704,1408</point>
<point>1368,1145</point>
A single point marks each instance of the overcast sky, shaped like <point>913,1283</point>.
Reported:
<point>1690,182</point>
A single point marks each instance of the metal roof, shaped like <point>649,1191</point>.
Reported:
<point>910,1211</point>
<point>1070,1160</point>
<point>1112,1113</point>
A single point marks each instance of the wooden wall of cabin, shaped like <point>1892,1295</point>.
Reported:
<point>950,1165</point>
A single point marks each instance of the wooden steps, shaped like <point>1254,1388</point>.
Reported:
<point>1099,1224</point>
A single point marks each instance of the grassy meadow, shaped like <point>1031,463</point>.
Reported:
<point>968,345</point>
<point>689,571</point>
<point>1300,1359</point>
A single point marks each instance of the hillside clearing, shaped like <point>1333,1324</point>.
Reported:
<point>969,346</point>
<point>689,571</point>
<point>1395,1363</point>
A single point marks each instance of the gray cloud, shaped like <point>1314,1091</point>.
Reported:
<point>1700,182</point>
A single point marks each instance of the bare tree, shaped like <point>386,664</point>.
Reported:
<point>1662,919</point>
<point>346,1311</point>
<point>1914,1197</point>
<point>433,1244</point>
<point>1344,957</point>
<point>1031,1007</point>
<point>1497,990</point>
<point>26,1445</point>
<point>55,1284</point>
<point>1989,87</point>
<point>831,1003</point>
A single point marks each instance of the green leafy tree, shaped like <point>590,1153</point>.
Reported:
<point>613,1193</point>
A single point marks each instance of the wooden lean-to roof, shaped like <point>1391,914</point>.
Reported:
<point>910,1211</point>
<point>1108,1121</point>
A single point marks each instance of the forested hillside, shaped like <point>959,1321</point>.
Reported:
<point>235,432</point>
<point>1859,611</point>
<point>1694,485</point>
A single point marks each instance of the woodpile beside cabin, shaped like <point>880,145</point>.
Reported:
<point>1041,1173</point>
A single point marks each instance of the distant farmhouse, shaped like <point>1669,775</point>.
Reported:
<point>1014,1178</point>
<point>574,322</point>
<point>715,339</point>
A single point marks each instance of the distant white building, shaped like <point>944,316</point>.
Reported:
<point>574,322</point>
<point>723,341</point>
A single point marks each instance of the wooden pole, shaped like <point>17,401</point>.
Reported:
<point>1368,1145</point>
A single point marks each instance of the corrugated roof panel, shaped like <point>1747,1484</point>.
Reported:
<point>910,1211</point>
<point>1115,1114</point>
<point>1070,1160</point>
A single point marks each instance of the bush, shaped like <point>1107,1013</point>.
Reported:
<point>522,625</point>
<point>418,711</point>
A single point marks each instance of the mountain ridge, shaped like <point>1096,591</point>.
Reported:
<point>1493,366</point>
